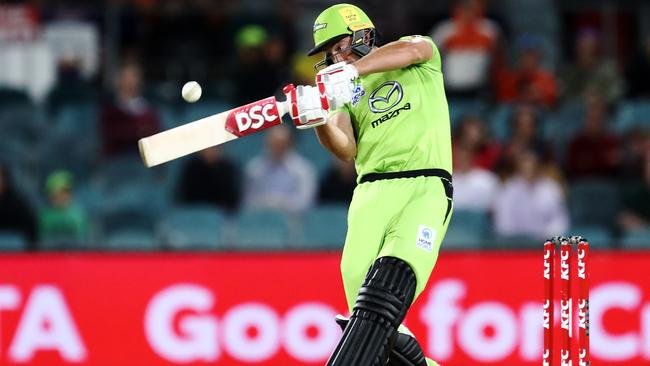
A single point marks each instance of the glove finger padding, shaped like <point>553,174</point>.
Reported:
<point>336,85</point>
<point>306,111</point>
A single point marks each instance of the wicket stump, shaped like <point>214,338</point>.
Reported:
<point>566,300</point>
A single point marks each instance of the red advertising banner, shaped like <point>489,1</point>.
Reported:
<point>480,308</point>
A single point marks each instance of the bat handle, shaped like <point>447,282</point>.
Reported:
<point>283,107</point>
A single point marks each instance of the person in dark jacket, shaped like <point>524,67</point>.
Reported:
<point>16,214</point>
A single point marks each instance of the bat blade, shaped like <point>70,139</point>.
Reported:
<point>211,131</point>
<point>186,139</point>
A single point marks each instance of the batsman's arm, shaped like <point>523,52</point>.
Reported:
<point>395,55</point>
<point>337,136</point>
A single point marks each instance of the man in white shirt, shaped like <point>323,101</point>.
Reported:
<point>279,179</point>
<point>529,204</point>
<point>474,188</point>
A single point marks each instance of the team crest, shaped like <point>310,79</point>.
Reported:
<point>357,94</point>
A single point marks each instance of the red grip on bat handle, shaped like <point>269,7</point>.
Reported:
<point>287,89</point>
<point>291,104</point>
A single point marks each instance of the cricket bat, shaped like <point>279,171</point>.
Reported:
<point>211,131</point>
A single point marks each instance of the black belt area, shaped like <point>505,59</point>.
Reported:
<point>444,176</point>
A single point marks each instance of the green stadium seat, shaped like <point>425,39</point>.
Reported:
<point>594,202</point>
<point>461,108</point>
<point>324,227</point>
<point>12,241</point>
<point>131,240</point>
<point>193,227</point>
<point>260,229</point>
<point>638,239</point>
<point>63,243</point>
<point>467,229</point>
<point>499,121</point>
<point>202,108</point>
<point>308,146</point>
<point>515,242</point>
<point>631,115</point>
<point>241,151</point>
<point>598,237</point>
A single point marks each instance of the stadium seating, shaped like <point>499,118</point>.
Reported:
<point>593,202</point>
<point>65,244</point>
<point>467,229</point>
<point>637,239</point>
<point>12,241</point>
<point>12,97</point>
<point>242,151</point>
<point>515,242</point>
<point>499,122</point>
<point>131,240</point>
<point>631,115</point>
<point>126,200</point>
<point>308,146</point>
<point>559,126</point>
<point>460,108</point>
<point>598,236</point>
<point>324,227</point>
<point>261,229</point>
<point>193,227</point>
<point>201,109</point>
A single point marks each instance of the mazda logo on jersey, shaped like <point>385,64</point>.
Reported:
<point>385,97</point>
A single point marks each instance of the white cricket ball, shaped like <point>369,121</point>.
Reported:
<point>191,91</point>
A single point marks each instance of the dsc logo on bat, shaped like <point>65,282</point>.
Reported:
<point>253,117</point>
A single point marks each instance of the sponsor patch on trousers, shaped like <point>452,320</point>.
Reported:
<point>426,237</point>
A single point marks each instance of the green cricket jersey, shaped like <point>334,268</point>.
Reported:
<point>401,119</point>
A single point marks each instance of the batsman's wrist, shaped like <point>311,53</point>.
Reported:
<point>311,125</point>
<point>354,71</point>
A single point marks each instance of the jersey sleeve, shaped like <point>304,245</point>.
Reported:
<point>434,62</point>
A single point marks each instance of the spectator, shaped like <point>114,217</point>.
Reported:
<point>530,204</point>
<point>71,87</point>
<point>635,214</point>
<point>474,187</point>
<point>281,178</point>
<point>594,152</point>
<point>468,43</point>
<point>129,117</point>
<point>637,142</point>
<point>275,54</point>
<point>530,83</point>
<point>210,178</point>
<point>253,76</point>
<point>524,135</point>
<point>16,215</point>
<point>590,71</point>
<point>61,220</point>
<point>638,77</point>
<point>472,134</point>
<point>338,183</point>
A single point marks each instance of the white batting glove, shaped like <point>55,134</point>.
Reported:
<point>306,111</point>
<point>336,85</point>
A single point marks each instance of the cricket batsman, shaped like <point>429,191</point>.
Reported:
<point>385,107</point>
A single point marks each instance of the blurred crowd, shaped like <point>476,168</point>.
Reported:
<point>551,123</point>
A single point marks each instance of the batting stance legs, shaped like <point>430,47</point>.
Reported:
<point>395,228</point>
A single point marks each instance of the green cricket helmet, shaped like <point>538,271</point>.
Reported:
<point>339,21</point>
